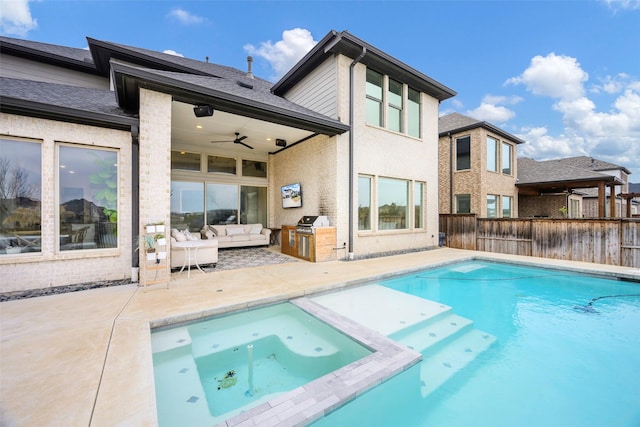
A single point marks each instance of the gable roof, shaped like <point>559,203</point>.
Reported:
<point>187,80</point>
<point>61,56</point>
<point>347,44</point>
<point>456,123</point>
<point>61,102</point>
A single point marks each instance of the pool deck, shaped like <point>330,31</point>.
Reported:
<point>84,358</point>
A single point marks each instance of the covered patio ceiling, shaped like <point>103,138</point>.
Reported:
<point>222,126</point>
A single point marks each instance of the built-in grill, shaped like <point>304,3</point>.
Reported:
<point>308,224</point>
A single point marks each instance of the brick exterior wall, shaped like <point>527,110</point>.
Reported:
<point>50,268</point>
<point>155,162</point>
<point>478,182</point>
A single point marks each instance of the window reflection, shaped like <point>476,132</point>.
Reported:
<point>20,196</point>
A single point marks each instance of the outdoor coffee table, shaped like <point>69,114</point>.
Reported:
<point>190,250</point>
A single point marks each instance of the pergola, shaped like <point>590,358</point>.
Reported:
<point>629,197</point>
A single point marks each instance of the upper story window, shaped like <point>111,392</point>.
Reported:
<point>413,113</point>
<point>463,153</point>
<point>492,154</point>
<point>394,111</point>
<point>374,98</point>
<point>492,206</point>
<point>402,108</point>
<point>507,158</point>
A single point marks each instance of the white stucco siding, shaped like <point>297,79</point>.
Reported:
<point>20,68</point>
<point>51,267</point>
<point>317,91</point>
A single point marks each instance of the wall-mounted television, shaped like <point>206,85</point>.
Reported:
<point>291,196</point>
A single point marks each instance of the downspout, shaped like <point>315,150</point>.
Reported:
<point>135,193</point>
<point>351,183</point>
<point>450,173</point>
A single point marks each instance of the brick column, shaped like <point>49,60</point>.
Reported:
<point>155,161</point>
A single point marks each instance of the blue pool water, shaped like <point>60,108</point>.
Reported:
<point>555,361</point>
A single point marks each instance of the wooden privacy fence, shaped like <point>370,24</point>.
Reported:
<point>614,241</point>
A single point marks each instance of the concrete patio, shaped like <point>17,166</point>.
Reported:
<point>84,358</point>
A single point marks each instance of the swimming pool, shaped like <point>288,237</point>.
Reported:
<point>556,360</point>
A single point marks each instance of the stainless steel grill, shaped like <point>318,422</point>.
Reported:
<point>308,224</point>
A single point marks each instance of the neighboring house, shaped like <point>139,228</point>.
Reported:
<point>477,168</point>
<point>574,187</point>
<point>91,135</point>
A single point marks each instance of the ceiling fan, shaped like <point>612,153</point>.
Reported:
<point>238,140</point>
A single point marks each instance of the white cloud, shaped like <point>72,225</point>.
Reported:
<point>612,135</point>
<point>184,17</point>
<point>15,17</point>
<point>489,109</point>
<point>623,4</point>
<point>491,113</point>
<point>557,76</point>
<point>173,52</point>
<point>284,54</point>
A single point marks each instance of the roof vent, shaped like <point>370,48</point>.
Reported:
<point>249,63</point>
<point>245,85</point>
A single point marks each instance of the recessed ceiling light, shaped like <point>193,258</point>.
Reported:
<point>199,126</point>
<point>268,139</point>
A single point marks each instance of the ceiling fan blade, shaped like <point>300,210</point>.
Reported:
<point>242,143</point>
<point>213,142</point>
<point>242,138</point>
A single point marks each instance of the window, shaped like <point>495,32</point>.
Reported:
<point>20,196</point>
<point>253,205</point>
<point>187,205</point>
<point>463,153</point>
<point>394,112</point>
<point>413,113</point>
<point>88,186</point>
<point>507,203</point>
<point>492,206</point>
<point>492,154</point>
<point>374,98</point>
<point>224,165</point>
<point>364,203</point>
<point>418,211</point>
<point>222,204</point>
<point>185,161</point>
<point>463,203</point>
<point>393,204</point>
<point>254,168</point>
<point>506,158</point>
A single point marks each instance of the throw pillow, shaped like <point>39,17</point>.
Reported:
<point>209,234</point>
<point>178,235</point>
<point>189,236</point>
<point>212,229</point>
<point>233,231</point>
<point>219,231</point>
<point>256,229</point>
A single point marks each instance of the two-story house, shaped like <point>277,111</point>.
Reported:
<point>478,168</point>
<point>109,139</point>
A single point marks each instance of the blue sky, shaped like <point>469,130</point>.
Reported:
<point>562,75</point>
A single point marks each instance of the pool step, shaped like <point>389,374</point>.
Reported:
<point>430,335</point>
<point>440,366</point>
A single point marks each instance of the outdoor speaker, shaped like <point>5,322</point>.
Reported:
<point>203,110</point>
<point>281,143</point>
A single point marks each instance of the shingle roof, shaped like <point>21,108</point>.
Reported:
<point>456,122</point>
<point>49,53</point>
<point>586,162</point>
<point>73,102</point>
<point>531,171</point>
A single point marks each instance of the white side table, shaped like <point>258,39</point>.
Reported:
<point>191,252</point>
